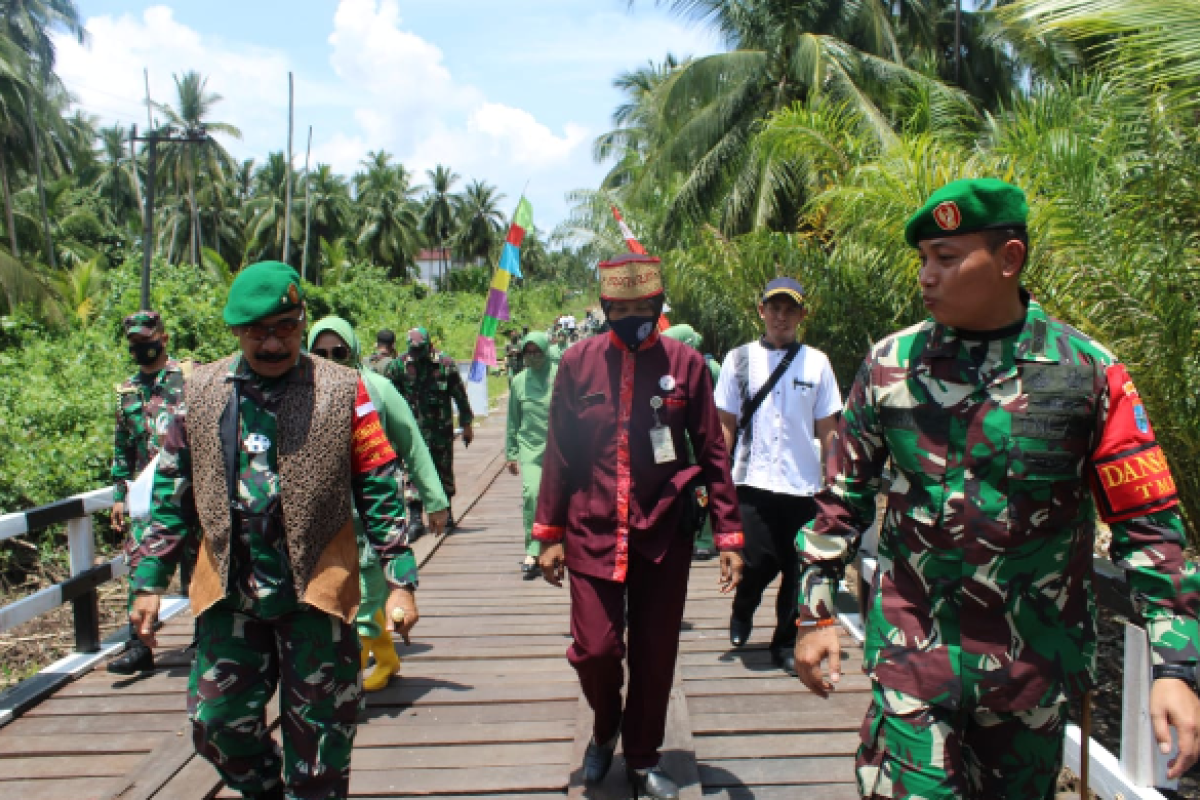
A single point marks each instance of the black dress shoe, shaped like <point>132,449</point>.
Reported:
<point>598,758</point>
<point>785,660</point>
<point>138,658</point>
<point>739,630</point>
<point>530,571</point>
<point>652,782</point>
<point>416,530</point>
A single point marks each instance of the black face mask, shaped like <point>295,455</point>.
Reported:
<point>145,353</point>
<point>418,350</point>
<point>633,330</point>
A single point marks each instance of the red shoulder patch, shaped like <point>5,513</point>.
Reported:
<point>1132,476</point>
<point>370,447</point>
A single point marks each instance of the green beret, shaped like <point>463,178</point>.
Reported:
<point>968,206</point>
<point>261,290</point>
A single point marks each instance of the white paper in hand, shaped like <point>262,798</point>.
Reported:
<point>140,491</point>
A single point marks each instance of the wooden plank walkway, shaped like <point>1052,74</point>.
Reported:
<point>486,706</point>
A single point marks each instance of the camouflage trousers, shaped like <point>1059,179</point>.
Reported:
<point>912,749</point>
<point>442,453</point>
<point>313,658</point>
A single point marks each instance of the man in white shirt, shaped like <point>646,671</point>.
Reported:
<point>777,466</point>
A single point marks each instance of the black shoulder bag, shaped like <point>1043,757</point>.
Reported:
<point>745,427</point>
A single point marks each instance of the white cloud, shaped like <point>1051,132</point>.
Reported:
<point>106,75</point>
<point>385,87</point>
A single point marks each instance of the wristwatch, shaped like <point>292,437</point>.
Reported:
<point>1183,672</point>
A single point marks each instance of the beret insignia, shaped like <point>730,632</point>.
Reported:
<point>947,216</point>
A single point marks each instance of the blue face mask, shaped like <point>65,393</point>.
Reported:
<point>633,330</point>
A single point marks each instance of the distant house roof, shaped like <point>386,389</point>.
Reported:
<point>434,254</point>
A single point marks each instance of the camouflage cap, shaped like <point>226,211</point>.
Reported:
<point>142,323</point>
<point>260,290</point>
<point>968,206</point>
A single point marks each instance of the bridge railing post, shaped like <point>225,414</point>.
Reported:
<point>1141,759</point>
<point>85,603</point>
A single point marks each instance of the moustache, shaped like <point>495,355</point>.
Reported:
<point>272,358</point>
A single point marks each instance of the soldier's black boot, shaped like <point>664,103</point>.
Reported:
<point>274,793</point>
<point>451,524</point>
<point>138,658</point>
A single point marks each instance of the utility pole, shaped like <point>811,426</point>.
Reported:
<point>152,140</point>
<point>307,207</point>
<point>287,209</point>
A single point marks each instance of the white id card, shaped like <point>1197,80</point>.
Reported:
<point>662,444</point>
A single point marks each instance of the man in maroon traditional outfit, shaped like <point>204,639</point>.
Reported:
<point>618,505</point>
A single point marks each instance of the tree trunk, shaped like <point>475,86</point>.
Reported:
<point>14,246</point>
<point>195,232</point>
<point>41,185</point>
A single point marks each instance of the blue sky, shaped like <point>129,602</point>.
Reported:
<point>507,92</point>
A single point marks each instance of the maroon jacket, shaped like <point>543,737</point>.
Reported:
<point>601,490</point>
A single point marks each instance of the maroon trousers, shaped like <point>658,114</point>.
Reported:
<point>651,600</point>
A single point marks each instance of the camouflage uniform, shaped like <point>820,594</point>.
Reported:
<point>514,359</point>
<point>145,405</point>
<point>430,384</point>
<point>379,362</point>
<point>981,618</point>
<point>261,634</point>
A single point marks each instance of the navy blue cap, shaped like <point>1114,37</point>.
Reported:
<point>785,286</point>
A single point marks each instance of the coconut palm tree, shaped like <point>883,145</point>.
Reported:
<point>331,212</point>
<point>713,108</point>
<point>28,25</point>
<point>266,211</point>
<point>480,221</point>
<point>117,178</point>
<point>183,162</point>
<point>1152,42</point>
<point>390,235</point>
<point>437,219</point>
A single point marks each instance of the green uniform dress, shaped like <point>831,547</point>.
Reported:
<point>981,620</point>
<point>145,404</point>
<point>525,438</point>
<point>431,384</point>
<point>401,428</point>
<point>556,352</point>
<point>261,635</point>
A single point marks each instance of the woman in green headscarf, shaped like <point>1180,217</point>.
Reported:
<point>334,338</point>
<point>525,442</point>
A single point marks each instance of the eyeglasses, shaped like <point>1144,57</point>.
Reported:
<point>336,353</point>
<point>281,329</point>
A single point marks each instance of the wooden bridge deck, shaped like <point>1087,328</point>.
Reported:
<point>486,706</point>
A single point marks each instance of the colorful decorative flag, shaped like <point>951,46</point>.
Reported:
<point>630,240</point>
<point>497,302</point>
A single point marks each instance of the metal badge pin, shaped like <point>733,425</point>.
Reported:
<point>656,402</point>
<point>666,383</point>
<point>256,444</point>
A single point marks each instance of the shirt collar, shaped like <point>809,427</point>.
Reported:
<point>1033,342</point>
<point>650,341</point>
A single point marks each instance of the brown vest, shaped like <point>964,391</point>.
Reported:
<point>314,419</point>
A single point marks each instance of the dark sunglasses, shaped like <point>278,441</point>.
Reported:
<point>337,353</point>
<point>281,329</point>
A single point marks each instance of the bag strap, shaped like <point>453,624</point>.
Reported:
<point>230,429</point>
<point>751,408</point>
